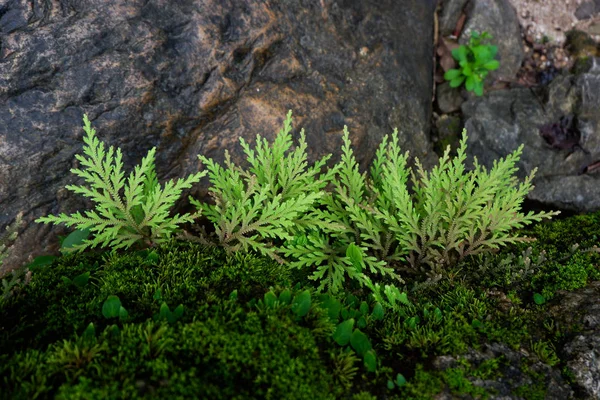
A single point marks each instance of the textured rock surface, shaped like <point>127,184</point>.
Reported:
<point>191,77</point>
<point>582,352</point>
<point>566,178</point>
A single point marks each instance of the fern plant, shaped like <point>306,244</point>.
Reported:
<point>451,214</point>
<point>119,222</point>
<point>270,200</point>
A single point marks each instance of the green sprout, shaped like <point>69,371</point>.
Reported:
<point>475,60</point>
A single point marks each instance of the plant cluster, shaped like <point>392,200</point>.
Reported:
<point>475,60</point>
<point>279,207</point>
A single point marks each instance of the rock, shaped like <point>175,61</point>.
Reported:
<point>499,18</point>
<point>192,77</point>
<point>511,372</point>
<point>581,308</point>
<point>567,176</point>
<point>449,15</point>
<point>448,99</point>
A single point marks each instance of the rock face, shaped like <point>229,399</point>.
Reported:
<point>568,163</point>
<point>191,77</point>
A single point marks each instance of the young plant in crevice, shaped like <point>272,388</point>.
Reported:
<point>270,201</point>
<point>119,222</point>
<point>475,61</point>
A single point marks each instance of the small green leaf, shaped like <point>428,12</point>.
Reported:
<point>81,280</point>
<point>75,238</point>
<point>476,323</point>
<point>491,65</point>
<point>400,380</point>
<point>362,322</point>
<point>478,88</point>
<point>370,361</point>
<point>539,299</point>
<point>285,297</point>
<point>343,332</point>
<point>360,342</point>
<point>178,312</point>
<point>157,295</point>
<point>111,307</point>
<point>164,310</point>
<point>460,53</point>
<point>354,254</point>
<point>390,384</point>
<point>470,84</point>
<point>66,280</point>
<point>352,300</point>
<point>90,332</point>
<point>364,308</point>
<point>301,303</point>
<point>40,261</point>
<point>377,313</point>
<point>452,74</point>
<point>233,295</point>
<point>457,81</point>
<point>122,313</point>
<point>270,299</point>
<point>333,306</point>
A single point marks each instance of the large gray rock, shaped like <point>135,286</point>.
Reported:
<point>567,176</point>
<point>191,77</point>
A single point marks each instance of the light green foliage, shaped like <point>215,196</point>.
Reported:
<point>269,201</point>
<point>452,214</point>
<point>475,60</point>
<point>143,213</point>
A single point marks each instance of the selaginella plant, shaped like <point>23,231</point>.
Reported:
<point>451,214</point>
<point>475,61</point>
<point>142,215</point>
<point>268,202</point>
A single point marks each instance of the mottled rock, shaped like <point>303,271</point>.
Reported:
<point>567,178</point>
<point>511,372</point>
<point>582,351</point>
<point>449,14</point>
<point>448,99</point>
<point>192,77</point>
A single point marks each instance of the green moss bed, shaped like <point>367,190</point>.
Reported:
<point>233,328</point>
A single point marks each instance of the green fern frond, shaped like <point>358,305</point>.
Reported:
<point>117,222</point>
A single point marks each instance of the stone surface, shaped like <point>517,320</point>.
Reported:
<point>566,178</point>
<point>449,14</point>
<point>499,18</point>
<point>191,77</point>
<point>448,99</point>
<point>581,352</point>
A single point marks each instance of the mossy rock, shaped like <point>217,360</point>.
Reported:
<point>227,353</point>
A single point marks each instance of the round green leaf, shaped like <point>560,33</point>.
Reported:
<point>400,380</point>
<point>178,312</point>
<point>285,297</point>
<point>111,307</point>
<point>539,299</point>
<point>343,332</point>
<point>470,84</point>
<point>364,308</point>
<point>301,303</point>
<point>122,313</point>
<point>478,88</point>
<point>360,342</point>
<point>270,299</point>
<point>390,384</point>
